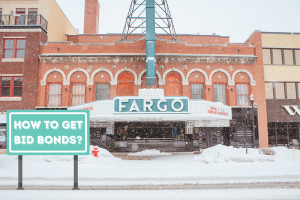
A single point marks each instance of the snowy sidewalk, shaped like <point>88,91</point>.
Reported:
<point>207,194</point>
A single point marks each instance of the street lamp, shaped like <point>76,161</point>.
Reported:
<point>253,132</point>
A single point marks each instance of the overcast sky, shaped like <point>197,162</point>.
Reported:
<point>234,18</point>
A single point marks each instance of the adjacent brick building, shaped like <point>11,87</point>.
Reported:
<point>24,26</point>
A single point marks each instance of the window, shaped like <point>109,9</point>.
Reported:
<point>54,95</point>
<point>281,56</point>
<point>297,57</point>
<point>78,93</point>
<point>288,57</point>
<point>102,91</point>
<point>14,48</point>
<point>220,93</point>
<point>196,91</point>
<point>291,90</point>
<point>267,56</point>
<point>282,90</point>
<point>242,94</point>
<point>11,86</point>
<point>32,16</point>
<point>20,16</point>
<point>269,90</point>
<point>279,90</point>
<point>277,57</point>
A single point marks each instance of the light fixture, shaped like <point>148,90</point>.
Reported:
<point>252,99</point>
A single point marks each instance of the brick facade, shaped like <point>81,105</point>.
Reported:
<point>196,59</point>
<point>28,68</point>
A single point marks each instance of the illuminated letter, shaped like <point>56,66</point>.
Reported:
<point>165,106</point>
<point>148,105</point>
<point>134,106</point>
<point>121,101</point>
<point>177,109</point>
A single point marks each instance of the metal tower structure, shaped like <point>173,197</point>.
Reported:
<point>136,20</point>
<point>148,16</point>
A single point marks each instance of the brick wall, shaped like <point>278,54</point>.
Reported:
<point>29,68</point>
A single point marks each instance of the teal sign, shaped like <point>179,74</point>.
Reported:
<point>168,105</point>
<point>48,132</point>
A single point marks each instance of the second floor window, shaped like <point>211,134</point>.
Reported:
<point>242,94</point>
<point>54,95</point>
<point>14,48</point>
<point>220,93</point>
<point>11,86</point>
<point>196,91</point>
<point>102,91</point>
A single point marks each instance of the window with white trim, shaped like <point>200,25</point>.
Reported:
<point>78,93</point>
<point>102,91</point>
<point>196,91</point>
<point>54,94</point>
<point>220,93</point>
<point>242,94</point>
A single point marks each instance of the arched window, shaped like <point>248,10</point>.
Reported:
<point>220,81</point>
<point>101,85</point>
<point>242,84</point>
<point>54,85</point>
<point>197,85</point>
<point>126,84</point>
<point>78,84</point>
<point>173,85</point>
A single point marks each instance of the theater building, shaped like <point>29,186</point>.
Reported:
<point>281,57</point>
<point>91,69</point>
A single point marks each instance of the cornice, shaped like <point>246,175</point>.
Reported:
<point>225,59</point>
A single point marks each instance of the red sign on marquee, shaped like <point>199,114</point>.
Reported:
<point>217,111</point>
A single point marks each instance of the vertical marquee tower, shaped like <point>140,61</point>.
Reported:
<point>152,17</point>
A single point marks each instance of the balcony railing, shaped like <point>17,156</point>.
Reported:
<point>24,20</point>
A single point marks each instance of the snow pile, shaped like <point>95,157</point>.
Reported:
<point>221,153</point>
<point>283,154</point>
<point>152,152</point>
<point>104,157</point>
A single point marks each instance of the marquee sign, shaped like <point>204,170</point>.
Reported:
<point>138,105</point>
<point>48,132</point>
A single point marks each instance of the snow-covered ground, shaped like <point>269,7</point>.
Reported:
<point>210,194</point>
<point>216,161</point>
<point>216,165</point>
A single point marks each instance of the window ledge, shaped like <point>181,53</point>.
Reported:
<point>10,98</point>
<point>13,60</point>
